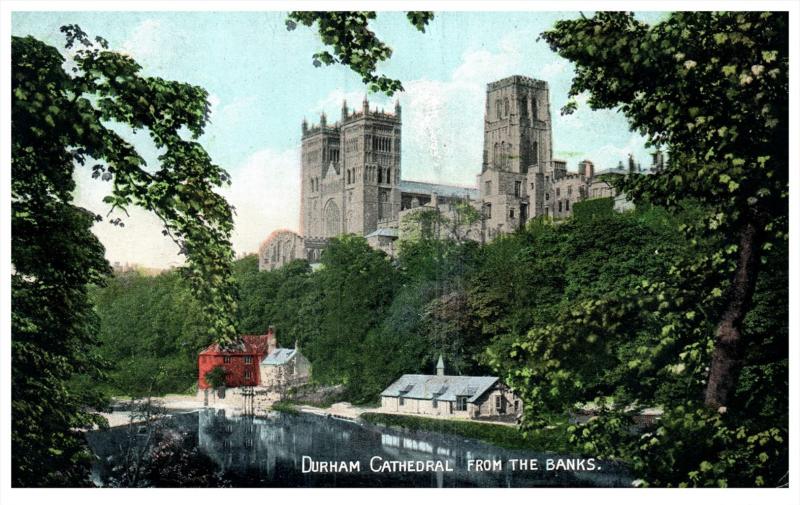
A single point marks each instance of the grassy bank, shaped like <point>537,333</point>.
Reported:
<point>287,407</point>
<point>509,437</point>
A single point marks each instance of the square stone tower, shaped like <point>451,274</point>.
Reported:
<point>322,183</point>
<point>350,173</point>
<point>517,151</point>
<point>370,142</point>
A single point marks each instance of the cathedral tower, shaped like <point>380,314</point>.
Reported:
<point>370,142</point>
<point>517,151</point>
<point>320,180</point>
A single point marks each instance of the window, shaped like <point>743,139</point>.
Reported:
<point>461,403</point>
<point>569,190</point>
<point>401,401</point>
<point>559,206</point>
<point>226,359</point>
<point>247,374</point>
<point>558,192</point>
<point>500,404</point>
<point>547,196</point>
<point>488,210</point>
<point>488,187</point>
<point>248,360</point>
<point>505,106</point>
<point>567,203</point>
<point>435,403</point>
<point>511,213</point>
<point>517,188</point>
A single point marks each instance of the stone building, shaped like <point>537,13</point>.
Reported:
<point>352,176</point>
<point>454,396</point>
<point>284,368</point>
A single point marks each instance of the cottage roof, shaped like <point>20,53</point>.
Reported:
<point>249,344</point>
<point>279,356</point>
<point>440,387</point>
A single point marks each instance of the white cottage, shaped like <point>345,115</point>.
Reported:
<point>455,396</point>
<point>284,368</point>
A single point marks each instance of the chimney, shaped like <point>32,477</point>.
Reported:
<point>271,339</point>
<point>440,367</point>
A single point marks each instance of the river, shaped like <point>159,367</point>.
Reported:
<point>274,451</point>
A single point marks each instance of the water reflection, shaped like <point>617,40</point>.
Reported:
<point>268,452</point>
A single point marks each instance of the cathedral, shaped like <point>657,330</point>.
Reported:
<point>352,176</point>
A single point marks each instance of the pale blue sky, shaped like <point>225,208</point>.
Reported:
<point>261,83</point>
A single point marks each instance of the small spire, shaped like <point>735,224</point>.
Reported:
<point>365,104</point>
<point>323,119</point>
<point>397,108</point>
<point>440,366</point>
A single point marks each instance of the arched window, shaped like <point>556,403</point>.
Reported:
<point>524,106</point>
<point>508,156</point>
<point>505,107</point>
<point>496,156</point>
<point>534,109</point>
<point>389,175</point>
<point>498,109</point>
<point>332,219</point>
<point>380,175</point>
<point>535,153</point>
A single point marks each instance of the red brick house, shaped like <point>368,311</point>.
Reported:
<point>241,362</point>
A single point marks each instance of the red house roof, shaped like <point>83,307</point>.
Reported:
<point>250,344</point>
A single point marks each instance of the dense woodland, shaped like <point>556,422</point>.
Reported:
<point>681,304</point>
<point>363,319</point>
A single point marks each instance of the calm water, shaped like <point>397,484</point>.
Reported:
<point>269,451</point>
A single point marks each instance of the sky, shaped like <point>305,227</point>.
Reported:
<point>261,84</point>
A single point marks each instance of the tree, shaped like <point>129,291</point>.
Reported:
<point>713,88</point>
<point>354,289</point>
<point>60,122</point>
<point>353,43</point>
<point>216,377</point>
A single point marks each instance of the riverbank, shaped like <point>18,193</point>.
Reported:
<point>122,414</point>
<point>498,434</point>
<point>501,434</point>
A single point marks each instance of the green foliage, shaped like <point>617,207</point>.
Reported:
<point>712,87</point>
<point>59,122</point>
<point>594,207</point>
<point>286,407</point>
<point>353,43</point>
<point>151,330</point>
<point>352,291</point>
<point>216,377</point>
<point>509,437</point>
<point>620,328</point>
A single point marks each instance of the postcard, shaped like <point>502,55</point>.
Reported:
<point>400,248</point>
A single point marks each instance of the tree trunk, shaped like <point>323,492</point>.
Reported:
<point>726,360</point>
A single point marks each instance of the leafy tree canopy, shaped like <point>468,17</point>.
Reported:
<point>61,116</point>
<point>353,43</point>
<point>713,88</point>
